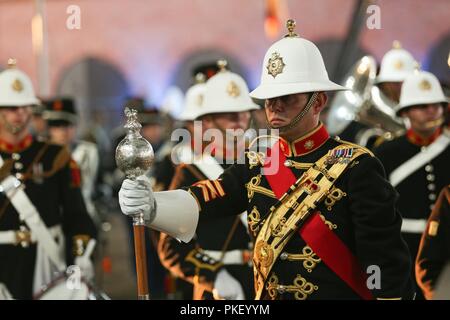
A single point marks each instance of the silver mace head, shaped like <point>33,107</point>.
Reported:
<point>134,154</point>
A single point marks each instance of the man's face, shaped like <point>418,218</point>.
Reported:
<point>62,135</point>
<point>424,117</point>
<point>232,143</point>
<point>391,90</point>
<point>281,110</point>
<point>15,120</point>
<point>231,120</point>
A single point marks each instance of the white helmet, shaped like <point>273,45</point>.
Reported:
<point>421,87</point>
<point>396,65</point>
<point>193,100</point>
<point>293,65</point>
<point>226,92</point>
<point>16,89</point>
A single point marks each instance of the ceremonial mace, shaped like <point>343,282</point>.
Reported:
<point>134,156</point>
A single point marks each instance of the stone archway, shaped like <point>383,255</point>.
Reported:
<point>99,88</point>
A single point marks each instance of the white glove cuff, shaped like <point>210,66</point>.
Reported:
<point>176,214</point>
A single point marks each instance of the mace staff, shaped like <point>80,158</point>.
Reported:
<point>134,156</point>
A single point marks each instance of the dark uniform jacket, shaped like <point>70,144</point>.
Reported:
<point>190,262</point>
<point>52,183</point>
<point>163,173</point>
<point>434,249</point>
<point>418,192</point>
<point>360,211</point>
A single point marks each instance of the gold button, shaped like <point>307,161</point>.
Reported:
<point>18,166</point>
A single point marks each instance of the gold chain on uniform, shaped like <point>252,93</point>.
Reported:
<point>264,255</point>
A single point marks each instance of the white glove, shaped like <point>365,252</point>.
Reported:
<point>4,293</point>
<point>86,267</point>
<point>137,196</point>
<point>227,287</point>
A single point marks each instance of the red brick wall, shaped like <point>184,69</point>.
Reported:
<point>145,39</point>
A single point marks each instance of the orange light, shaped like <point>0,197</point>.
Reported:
<point>271,27</point>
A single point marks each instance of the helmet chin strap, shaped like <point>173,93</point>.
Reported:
<point>298,117</point>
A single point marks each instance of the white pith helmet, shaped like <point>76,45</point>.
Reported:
<point>194,98</point>
<point>16,89</point>
<point>293,65</point>
<point>420,87</point>
<point>396,64</point>
<point>226,91</point>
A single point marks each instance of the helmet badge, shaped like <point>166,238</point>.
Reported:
<point>425,85</point>
<point>17,85</point>
<point>233,89</point>
<point>398,64</point>
<point>275,64</point>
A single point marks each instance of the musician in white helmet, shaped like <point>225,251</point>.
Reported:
<point>319,209</point>
<point>44,225</point>
<point>396,65</point>
<point>417,162</point>
<point>217,261</point>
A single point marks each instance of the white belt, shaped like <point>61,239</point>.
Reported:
<point>414,225</point>
<point>15,237</point>
<point>236,256</point>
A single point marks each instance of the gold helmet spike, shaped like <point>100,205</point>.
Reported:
<point>200,78</point>
<point>222,64</point>
<point>417,66</point>
<point>290,25</point>
<point>12,62</point>
<point>396,44</point>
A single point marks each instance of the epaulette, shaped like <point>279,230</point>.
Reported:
<point>255,159</point>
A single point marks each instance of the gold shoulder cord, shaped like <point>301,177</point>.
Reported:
<point>286,218</point>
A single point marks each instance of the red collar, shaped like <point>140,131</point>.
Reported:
<point>305,144</point>
<point>22,145</point>
<point>414,138</point>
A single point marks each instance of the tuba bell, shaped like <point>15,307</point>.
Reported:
<point>365,104</point>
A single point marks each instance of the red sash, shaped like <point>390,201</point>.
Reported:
<point>333,252</point>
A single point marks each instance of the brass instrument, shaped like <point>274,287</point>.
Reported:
<point>365,103</point>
